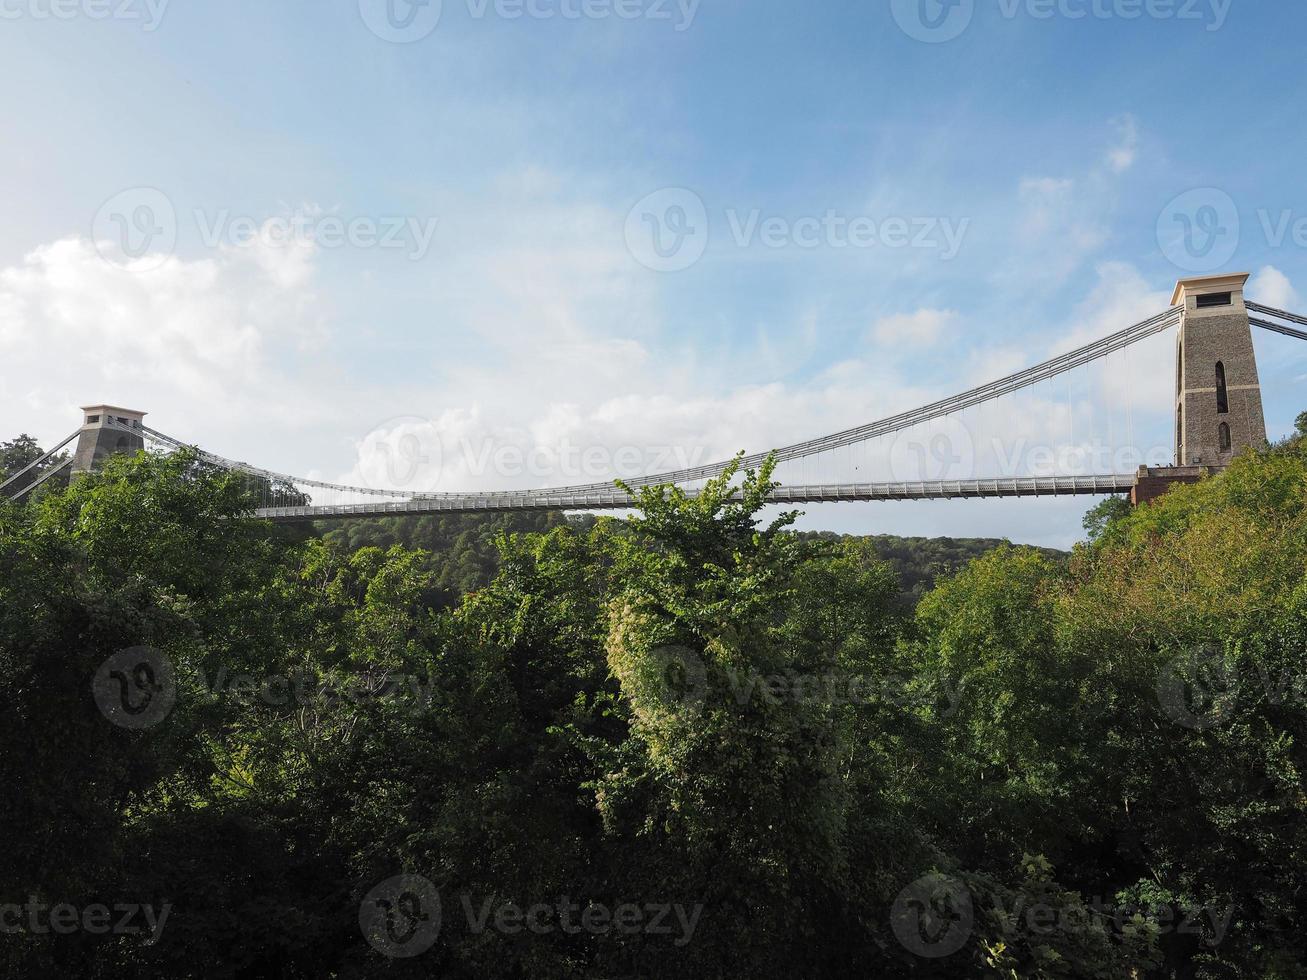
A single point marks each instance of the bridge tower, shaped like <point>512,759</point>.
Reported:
<point>104,432</point>
<point>1218,398</point>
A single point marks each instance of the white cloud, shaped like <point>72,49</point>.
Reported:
<point>1138,380</point>
<point>1120,297</point>
<point>1063,221</point>
<point>568,381</point>
<point>920,329</point>
<point>213,348</point>
<point>1271,287</point>
<point>188,334</point>
<point>1121,156</point>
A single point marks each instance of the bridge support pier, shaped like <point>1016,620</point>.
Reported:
<point>1218,397</point>
<point>105,431</point>
<point>1152,482</point>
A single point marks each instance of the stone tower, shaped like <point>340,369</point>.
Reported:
<point>1218,398</point>
<point>105,430</point>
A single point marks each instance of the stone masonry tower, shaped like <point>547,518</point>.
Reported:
<point>1218,398</point>
<point>104,432</point>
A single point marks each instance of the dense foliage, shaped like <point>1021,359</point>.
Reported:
<point>461,550</point>
<point>17,455</point>
<point>920,562</point>
<point>691,744</point>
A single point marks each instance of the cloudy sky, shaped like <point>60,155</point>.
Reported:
<point>545,240</point>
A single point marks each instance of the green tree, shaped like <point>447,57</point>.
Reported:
<point>1102,516</point>
<point>694,707</point>
<point>19,453</point>
<point>1129,715</point>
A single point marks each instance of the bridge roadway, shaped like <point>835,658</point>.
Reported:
<point>615,499</point>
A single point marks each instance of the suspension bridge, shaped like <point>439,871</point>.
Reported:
<point>1217,407</point>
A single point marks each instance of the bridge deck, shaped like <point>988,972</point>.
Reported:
<point>614,499</point>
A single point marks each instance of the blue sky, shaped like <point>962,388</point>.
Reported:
<point>1035,159</point>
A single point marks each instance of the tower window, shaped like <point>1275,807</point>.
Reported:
<point>1179,367</point>
<point>1215,299</point>
<point>1222,393</point>
<point>1225,437</point>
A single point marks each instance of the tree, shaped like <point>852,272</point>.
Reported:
<point>1130,716</point>
<point>749,662</point>
<point>1300,425</point>
<point>19,453</point>
<point>1094,763</point>
<point>1100,518</point>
